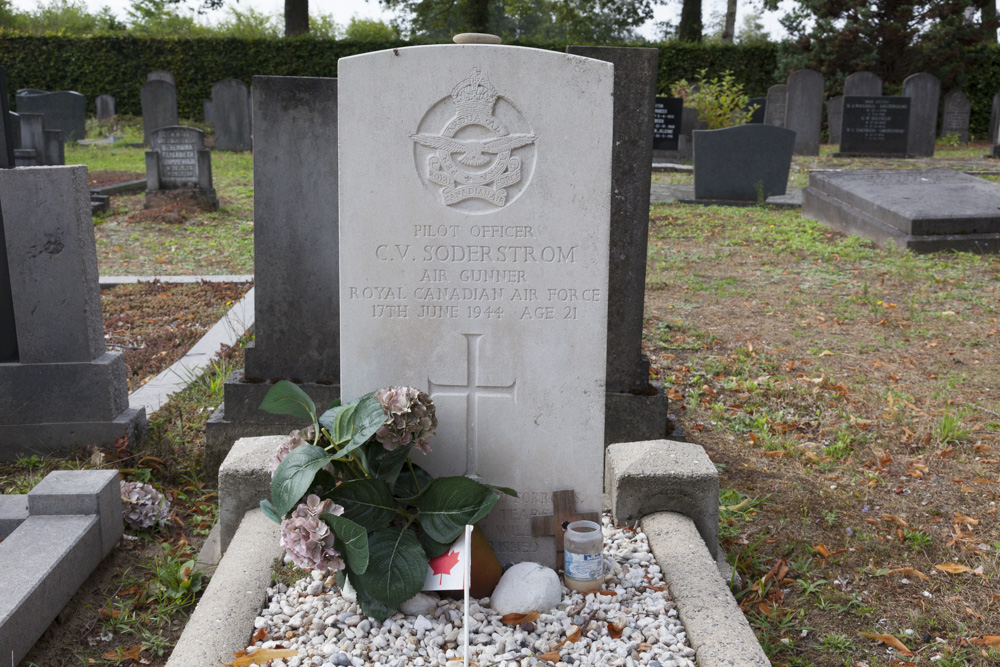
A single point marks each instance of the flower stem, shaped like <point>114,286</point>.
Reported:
<point>413,473</point>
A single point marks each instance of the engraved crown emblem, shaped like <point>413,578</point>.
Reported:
<point>475,95</point>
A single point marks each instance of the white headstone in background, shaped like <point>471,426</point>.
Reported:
<point>474,225</point>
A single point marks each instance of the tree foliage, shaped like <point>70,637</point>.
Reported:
<point>893,38</point>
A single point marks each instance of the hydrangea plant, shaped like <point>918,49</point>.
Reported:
<point>143,506</point>
<point>350,499</point>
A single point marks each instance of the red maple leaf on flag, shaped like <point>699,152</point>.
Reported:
<point>443,564</point>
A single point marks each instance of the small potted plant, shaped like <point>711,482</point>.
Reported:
<point>350,499</point>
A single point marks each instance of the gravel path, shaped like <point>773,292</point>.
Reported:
<point>633,623</point>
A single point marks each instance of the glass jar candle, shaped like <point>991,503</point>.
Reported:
<point>583,546</point>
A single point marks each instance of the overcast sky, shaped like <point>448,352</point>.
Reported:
<point>343,10</point>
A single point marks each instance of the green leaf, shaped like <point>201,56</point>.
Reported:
<point>286,398</point>
<point>268,509</point>
<point>371,606</point>
<point>294,476</point>
<point>341,579</point>
<point>366,501</point>
<point>328,420</point>
<point>405,487</point>
<point>504,489</point>
<point>351,540</point>
<point>432,547</point>
<point>398,567</point>
<point>385,465</point>
<point>449,503</point>
<point>365,417</point>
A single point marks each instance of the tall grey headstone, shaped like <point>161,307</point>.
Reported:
<point>835,118</point>
<point>231,115</point>
<point>634,409</point>
<point>804,110</point>
<point>32,150</point>
<point>863,84</point>
<point>105,107</point>
<point>955,118</point>
<point>64,110</point>
<point>8,333</point>
<point>995,119</point>
<point>161,75</point>
<point>742,163</point>
<point>65,390</point>
<point>206,109</point>
<point>159,106</point>
<point>178,161</point>
<point>492,219</point>
<point>53,148</point>
<point>295,207</point>
<point>924,91</point>
<point>774,109</point>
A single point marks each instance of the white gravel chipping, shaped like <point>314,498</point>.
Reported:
<point>327,630</point>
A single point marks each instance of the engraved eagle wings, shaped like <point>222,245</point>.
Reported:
<point>472,149</point>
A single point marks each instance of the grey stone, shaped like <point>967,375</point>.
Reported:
<point>159,106</point>
<point>13,512</point>
<point>804,110</point>
<point>716,628</point>
<point>875,126</point>
<point>995,119</point>
<point>15,130</point>
<point>62,438</point>
<point>64,110</point>
<point>32,135</point>
<point>231,115</point>
<point>420,604</point>
<point>664,476</point>
<point>79,391</point>
<point>53,148</point>
<point>222,623</point>
<point>920,209</point>
<point>774,107</point>
<point>97,492</point>
<point>631,167</point>
<point>206,108</point>
<point>178,160</point>
<point>835,118</point>
<point>8,330</point>
<point>742,163</point>
<point>105,107</point>
<point>924,91</point>
<point>161,75</point>
<point>244,481</point>
<point>527,587</point>
<point>863,84</point>
<point>955,118</point>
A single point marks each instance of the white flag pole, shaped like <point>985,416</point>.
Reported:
<point>468,585</point>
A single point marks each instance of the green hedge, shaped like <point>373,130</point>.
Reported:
<point>118,65</point>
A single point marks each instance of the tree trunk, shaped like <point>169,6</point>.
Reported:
<point>477,15</point>
<point>989,20</point>
<point>689,29</point>
<point>730,28</point>
<point>296,18</point>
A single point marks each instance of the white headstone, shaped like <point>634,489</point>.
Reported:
<point>474,226</point>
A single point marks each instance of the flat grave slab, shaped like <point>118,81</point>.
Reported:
<point>920,209</point>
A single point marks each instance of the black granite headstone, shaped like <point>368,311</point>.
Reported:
<point>744,163</point>
<point>667,123</point>
<point>760,104</point>
<point>875,125</point>
<point>8,330</point>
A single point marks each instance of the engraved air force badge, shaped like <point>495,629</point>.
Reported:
<point>483,153</point>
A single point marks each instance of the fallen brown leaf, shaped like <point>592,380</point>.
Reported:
<point>615,630</point>
<point>551,656</point>
<point>518,619</point>
<point>822,550</point>
<point>131,654</point>
<point>910,572</point>
<point>953,568</point>
<point>890,641</point>
<point>260,656</point>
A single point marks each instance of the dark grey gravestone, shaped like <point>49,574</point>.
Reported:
<point>231,115</point>
<point>64,110</point>
<point>53,148</point>
<point>105,107</point>
<point>161,75</point>
<point>206,109</point>
<point>804,110</point>
<point>835,118</point>
<point>774,107</point>
<point>875,126</point>
<point>178,160</point>
<point>635,409</point>
<point>921,209</point>
<point>31,91</point>
<point>8,332</point>
<point>924,91</point>
<point>667,113</point>
<point>65,390</point>
<point>32,140</point>
<point>295,207</point>
<point>742,163</point>
<point>955,119</point>
<point>863,84</point>
<point>994,128</point>
<point>760,105</point>
<point>159,106</point>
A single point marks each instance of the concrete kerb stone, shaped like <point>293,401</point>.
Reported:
<point>13,512</point>
<point>64,492</point>
<point>113,281</point>
<point>651,476</point>
<point>716,627</point>
<point>222,623</point>
<point>244,480</point>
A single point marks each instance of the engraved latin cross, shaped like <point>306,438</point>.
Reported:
<point>472,391</point>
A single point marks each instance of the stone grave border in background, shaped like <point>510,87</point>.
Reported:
<point>178,164</point>
<point>955,115</point>
<point>924,91</point>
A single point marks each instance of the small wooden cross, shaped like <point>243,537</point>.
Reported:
<point>563,513</point>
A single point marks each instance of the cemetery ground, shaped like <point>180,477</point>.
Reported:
<point>848,395</point>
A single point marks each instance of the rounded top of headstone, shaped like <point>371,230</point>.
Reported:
<point>476,38</point>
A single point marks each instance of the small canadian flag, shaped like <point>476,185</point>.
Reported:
<point>450,570</point>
